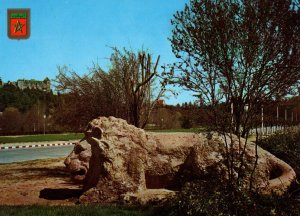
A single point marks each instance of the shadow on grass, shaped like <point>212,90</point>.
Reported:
<point>60,194</point>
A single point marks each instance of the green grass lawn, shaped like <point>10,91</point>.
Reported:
<point>41,138</point>
<point>75,210</point>
<point>190,130</point>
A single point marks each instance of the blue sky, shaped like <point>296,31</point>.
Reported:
<point>77,33</point>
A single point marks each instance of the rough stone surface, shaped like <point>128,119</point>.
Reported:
<point>119,162</point>
<point>148,196</point>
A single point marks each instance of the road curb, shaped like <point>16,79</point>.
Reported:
<point>36,145</point>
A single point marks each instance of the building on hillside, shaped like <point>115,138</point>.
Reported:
<point>33,84</point>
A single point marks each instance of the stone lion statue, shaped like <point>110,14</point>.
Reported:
<point>117,161</point>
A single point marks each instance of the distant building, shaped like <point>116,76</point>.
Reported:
<point>33,84</point>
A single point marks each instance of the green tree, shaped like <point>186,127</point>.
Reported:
<point>237,52</point>
<point>11,121</point>
<point>23,100</point>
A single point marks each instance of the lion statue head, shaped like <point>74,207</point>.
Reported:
<point>100,154</point>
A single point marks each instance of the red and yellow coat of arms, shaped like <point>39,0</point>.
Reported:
<point>18,23</point>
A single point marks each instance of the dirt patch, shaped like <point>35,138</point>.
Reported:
<point>40,182</point>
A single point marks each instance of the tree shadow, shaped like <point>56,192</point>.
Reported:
<point>60,194</point>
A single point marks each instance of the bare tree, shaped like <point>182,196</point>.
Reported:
<point>237,54</point>
<point>81,98</point>
<point>136,75</point>
<point>125,91</point>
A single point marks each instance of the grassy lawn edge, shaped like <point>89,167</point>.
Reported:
<point>41,138</point>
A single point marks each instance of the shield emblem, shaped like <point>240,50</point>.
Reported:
<point>18,23</point>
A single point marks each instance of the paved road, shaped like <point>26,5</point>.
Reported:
<point>18,155</point>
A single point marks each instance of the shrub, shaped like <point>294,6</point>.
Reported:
<point>204,198</point>
<point>211,198</point>
<point>285,146</point>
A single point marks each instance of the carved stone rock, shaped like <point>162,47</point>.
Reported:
<point>116,161</point>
